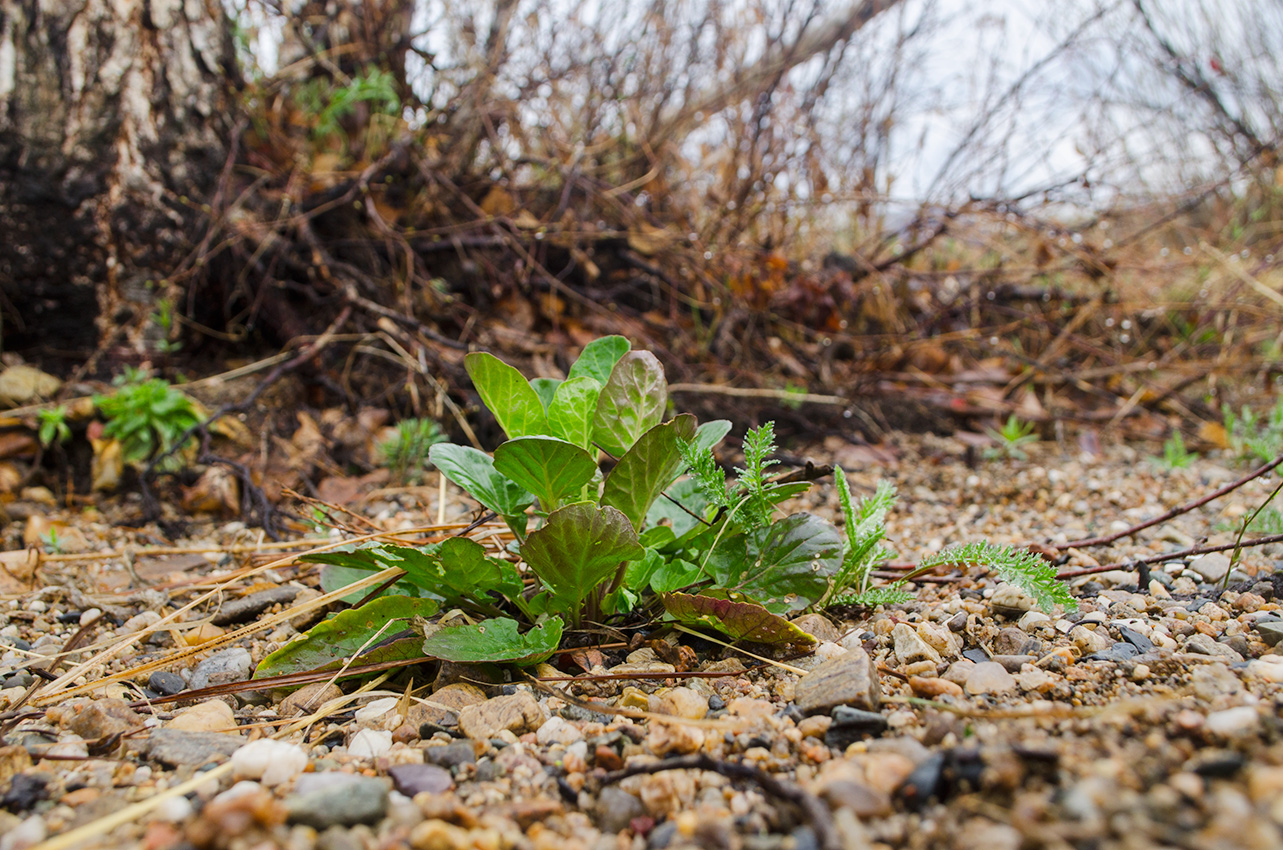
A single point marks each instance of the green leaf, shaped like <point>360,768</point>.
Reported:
<point>545,388</point>
<point>331,642</point>
<point>550,468</point>
<point>514,403</point>
<point>571,411</point>
<point>336,576</point>
<point>785,567</point>
<point>494,640</point>
<point>638,574</point>
<point>739,620</point>
<point>688,494</point>
<point>1030,572</point>
<point>599,357</point>
<point>632,402</point>
<point>474,471</point>
<point>674,575</point>
<point>579,547</point>
<point>455,570</point>
<point>647,469</point>
<point>711,433</point>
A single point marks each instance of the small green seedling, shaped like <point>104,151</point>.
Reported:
<point>53,426</point>
<point>1252,437</point>
<point>1013,435</point>
<point>146,415</point>
<point>1175,455</point>
<point>406,453</point>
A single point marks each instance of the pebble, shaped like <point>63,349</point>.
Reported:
<point>138,622</point>
<point>1268,668</point>
<point>1212,567</point>
<point>29,833</point>
<point>1202,644</point>
<point>370,743</point>
<point>518,713</point>
<point>210,716</point>
<point>269,761</point>
<point>932,688</point>
<point>674,738</point>
<point>222,668</point>
<point>1271,631</point>
<point>818,626</point>
<point>359,799</point>
<point>309,698</point>
<point>411,779</point>
<point>174,747</point>
<point>166,683</point>
<point>92,719</point>
<point>849,679</point>
<point>451,755</point>
<point>939,638</point>
<point>1090,641</point>
<point>1010,601</point>
<point>1013,663</point>
<point>910,647</point>
<point>863,801</point>
<point>680,702</point>
<point>1115,653</point>
<point>555,730</point>
<point>615,809</point>
<point>851,725</point>
<point>1233,722</point>
<point>1032,619</point>
<point>989,678</point>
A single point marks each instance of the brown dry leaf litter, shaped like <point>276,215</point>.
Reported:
<point>966,719</point>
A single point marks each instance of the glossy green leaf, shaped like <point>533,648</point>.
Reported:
<point>785,567</point>
<point>514,403</point>
<point>545,388</point>
<point>571,411</point>
<point>738,620</point>
<point>647,469</point>
<point>631,403</point>
<point>455,570</point>
<point>711,433</point>
<point>493,641</point>
<point>674,575</point>
<point>579,547</point>
<point>599,357</point>
<point>474,471</point>
<point>335,577</point>
<point>550,468</point>
<point>330,643</point>
<point>638,574</point>
<point>680,508</point>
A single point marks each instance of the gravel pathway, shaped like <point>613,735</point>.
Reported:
<point>1149,718</point>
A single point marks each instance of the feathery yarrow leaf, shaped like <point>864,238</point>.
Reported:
<point>1030,572</point>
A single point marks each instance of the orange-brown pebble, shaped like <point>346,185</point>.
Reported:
<point>607,759</point>
<point>405,734</point>
<point>931,687</point>
<point>203,633</point>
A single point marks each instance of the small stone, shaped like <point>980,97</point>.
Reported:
<point>175,748</point>
<point>102,718</point>
<point>1135,638</point>
<point>309,698</point>
<point>911,648</point>
<point>1010,641</point>
<point>615,810</point>
<point>411,779</point>
<point>1235,722</point>
<point>379,714</point>
<point>932,688</point>
<point>989,678</point>
<point>222,668</point>
<point>1116,653</point>
<point>1035,680</point>
<point>555,730</point>
<point>814,726</point>
<point>451,755</point>
<point>166,683</point>
<point>851,725</point>
<point>358,799</point>
<point>269,761</point>
<point>370,743</point>
<point>959,671</point>
<point>1032,619</point>
<point>818,626</point>
<point>1013,663</point>
<point>1268,668</point>
<point>1090,641</point>
<point>679,738</point>
<point>864,801</point>
<point>518,713</point>
<point>29,833</point>
<point>1211,567</point>
<point>210,716</point>
<point>1202,644</point>
<point>939,638</point>
<point>849,679</point>
<point>680,702</point>
<point>1271,631</point>
<point>202,634</point>
<point>1141,672</point>
<point>1010,601</point>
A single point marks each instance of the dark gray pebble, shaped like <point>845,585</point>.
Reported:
<point>166,683</point>
<point>411,779</point>
<point>1135,638</point>
<point>1118,652</point>
<point>451,755</point>
<point>360,800</point>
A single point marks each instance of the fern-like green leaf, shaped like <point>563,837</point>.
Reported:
<point>757,507</point>
<point>873,597</point>
<point>1025,570</point>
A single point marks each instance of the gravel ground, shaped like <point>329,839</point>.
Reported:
<point>965,719</point>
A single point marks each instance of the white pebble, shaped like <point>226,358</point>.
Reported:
<point>372,711</point>
<point>1267,667</point>
<point>174,810</point>
<point>29,833</point>
<point>370,743</point>
<point>1233,722</point>
<point>272,762</point>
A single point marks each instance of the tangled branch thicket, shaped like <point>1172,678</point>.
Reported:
<point>714,180</point>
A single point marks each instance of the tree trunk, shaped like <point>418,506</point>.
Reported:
<point>114,126</point>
